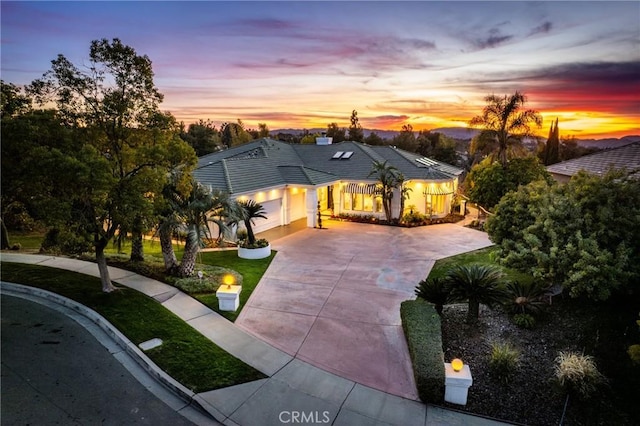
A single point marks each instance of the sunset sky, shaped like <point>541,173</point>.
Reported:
<point>307,64</point>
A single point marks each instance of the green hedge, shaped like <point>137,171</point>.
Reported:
<point>422,329</point>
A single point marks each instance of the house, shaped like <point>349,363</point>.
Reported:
<point>626,157</point>
<point>292,180</point>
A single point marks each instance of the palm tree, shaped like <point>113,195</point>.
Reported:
<point>505,122</point>
<point>475,284</point>
<point>193,206</point>
<point>404,194</point>
<point>202,207</point>
<point>387,176</point>
<point>250,211</point>
<point>434,290</point>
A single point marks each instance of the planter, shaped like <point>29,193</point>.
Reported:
<point>256,253</point>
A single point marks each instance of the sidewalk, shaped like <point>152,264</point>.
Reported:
<point>293,392</point>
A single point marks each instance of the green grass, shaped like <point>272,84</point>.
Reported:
<point>185,354</point>
<point>251,270</point>
<point>485,256</point>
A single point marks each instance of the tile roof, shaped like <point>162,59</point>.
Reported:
<point>625,157</point>
<point>266,162</point>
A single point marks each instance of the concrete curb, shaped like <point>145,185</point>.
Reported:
<point>120,339</point>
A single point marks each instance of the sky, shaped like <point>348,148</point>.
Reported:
<point>308,64</point>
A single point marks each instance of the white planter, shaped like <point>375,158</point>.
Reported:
<point>256,253</point>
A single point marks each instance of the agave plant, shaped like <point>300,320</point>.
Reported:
<point>475,284</point>
<point>433,290</point>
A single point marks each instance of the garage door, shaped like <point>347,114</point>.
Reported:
<point>273,214</point>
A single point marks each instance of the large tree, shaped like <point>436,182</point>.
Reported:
<point>336,132</point>
<point>406,139</point>
<point>505,122</point>
<point>112,104</point>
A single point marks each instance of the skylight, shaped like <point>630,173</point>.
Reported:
<point>337,155</point>
<point>427,161</point>
<point>347,155</point>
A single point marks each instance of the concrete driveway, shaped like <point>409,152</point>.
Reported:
<point>331,297</point>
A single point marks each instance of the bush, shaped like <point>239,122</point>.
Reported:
<point>261,243</point>
<point>578,373</point>
<point>524,320</point>
<point>634,354</point>
<point>58,241</point>
<point>503,361</point>
<point>422,329</point>
<point>212,278</point>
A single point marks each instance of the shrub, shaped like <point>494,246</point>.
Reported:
<point>634,354</point>
<point>503,361</point>
<point>422,329</point>
<point>475,284</point>
<point>578,373</point>
<point>212,278</point>
<point>58,241</point>
<point>524,320</point>
<point>261,243</point>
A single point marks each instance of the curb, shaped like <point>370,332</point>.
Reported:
<point>120,339</point>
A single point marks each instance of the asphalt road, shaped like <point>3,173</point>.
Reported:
<point>54,372</point>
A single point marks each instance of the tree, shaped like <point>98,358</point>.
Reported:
<point>488,182</point>
<point>387,176</point>
<point>355,129</point>
<point>338,134</point>
<point>583,235</point>
<point>112,107</point>
<point>437,146</point>
<point>263,130</point>
<point>550,154</point>
<point>234,134</point>
<point>250,211</point>
<point>505,122</point>
<point>198,210</point>
<point>373,139</point>
<point>404,193</point>
<point>475,284</point>
<point>203,137</point>
<point>406,139</point>
<point>12,101</point>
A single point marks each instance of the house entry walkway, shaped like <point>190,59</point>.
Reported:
<point>331,297</point>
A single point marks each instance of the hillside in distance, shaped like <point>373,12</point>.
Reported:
<point>463,133</point>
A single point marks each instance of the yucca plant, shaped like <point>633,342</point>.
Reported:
<point>475,284</point>
<point>433,290</point>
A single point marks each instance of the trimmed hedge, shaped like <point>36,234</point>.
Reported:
<point>422,329</point>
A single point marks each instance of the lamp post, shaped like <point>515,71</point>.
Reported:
<point>457,382</point>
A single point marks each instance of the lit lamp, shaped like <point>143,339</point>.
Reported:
<point>228,280</point>
<point>457,364</point>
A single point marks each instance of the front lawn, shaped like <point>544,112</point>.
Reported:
<point>185,354</point>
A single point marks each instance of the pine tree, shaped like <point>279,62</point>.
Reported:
<point>550,154</point>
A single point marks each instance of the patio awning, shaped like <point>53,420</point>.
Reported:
<point>358,188</point>
<point>437,190</point>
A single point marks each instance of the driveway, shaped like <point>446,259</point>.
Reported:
<point>331,297</point>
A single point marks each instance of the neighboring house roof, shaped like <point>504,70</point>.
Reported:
<point>267,163</point>
<point>625,157</point>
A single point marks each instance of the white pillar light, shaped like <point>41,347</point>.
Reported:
<point>457,380</point>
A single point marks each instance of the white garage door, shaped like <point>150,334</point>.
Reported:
<point>273,214</point>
